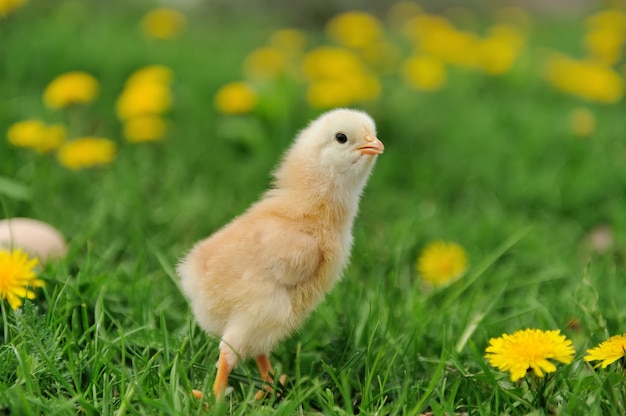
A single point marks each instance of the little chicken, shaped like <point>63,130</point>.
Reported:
<point>256,279</point>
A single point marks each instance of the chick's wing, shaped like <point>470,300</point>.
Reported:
<point>286,254</point>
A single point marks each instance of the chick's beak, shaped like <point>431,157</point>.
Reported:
<point>373,146</point>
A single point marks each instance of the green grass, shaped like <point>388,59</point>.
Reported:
<point>486,162</point>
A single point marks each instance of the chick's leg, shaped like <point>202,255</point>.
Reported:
<point>265,368</point>
<point>224,366</point>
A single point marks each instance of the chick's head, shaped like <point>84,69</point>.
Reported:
<point>339,146</point>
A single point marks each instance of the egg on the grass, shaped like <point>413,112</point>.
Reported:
<point>34,237</point>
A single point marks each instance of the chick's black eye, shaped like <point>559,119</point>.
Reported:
<point>341,138</point>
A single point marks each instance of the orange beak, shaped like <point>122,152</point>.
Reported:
<point>372,147</point>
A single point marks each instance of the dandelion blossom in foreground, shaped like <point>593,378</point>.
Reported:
<point>17,277</point>
<point>442,262</point>
<point>86,152</point>
<point>70,88</point>
<point>609,351</point>
<point>529,350</point>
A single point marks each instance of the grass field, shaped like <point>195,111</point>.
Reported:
<point>488,162</point>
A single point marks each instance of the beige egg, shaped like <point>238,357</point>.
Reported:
<point>34,237</point>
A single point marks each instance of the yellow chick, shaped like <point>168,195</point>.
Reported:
<point>256,279</point>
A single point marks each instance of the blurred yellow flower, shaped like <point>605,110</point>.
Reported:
<point>418,28</point>
<point>330,62</point>
<point>266,63</point>
<point>236,98</point>
<point>452,46</point>
<point>608,351</point>
<point>500,49</point>
<point>147,92</point>
<point>36,135</point>
<point>163,23</point>
<point>327,93</point>
<point>529,350</point>
<point>582,122</point>
<point>354,29</point>
<point>611,19</point>
<point>587,79</point>
<point>152,74</point>
<point>143,98</point>
<point>145,129</point>
<point>425,73</point>
<point>441,263</point>
<point>70,88</point>
<point>17,277</point>
<point>86,152</point>
<point>606,35</point>
<point>436,36</point>
<point>290,41</point>
<point>9,6</point>
<point>338,77</point>
<point>605,44</point>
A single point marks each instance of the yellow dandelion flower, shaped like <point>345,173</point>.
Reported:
<point>608,351</point>
<point>500,49</point>
<point>17,277</point>
<point>327,62</point>
<point>418,28</point>
<point>36,135</point>
<point>452,46</point>
<point>266,63</point>
<point>605,44</point>
<point>441,262</point>
<point>143,98</point>
<point>436,36</point>
<point>354,29</point>
<point>54,137</point>
<point>529,350</point>
<point>290,41</point>
<point>163,23</point>
<point>25,133</point>
<point>86,152</point>
<point>145,129</point>
<point>339,92</point>
<point>344,82</point>
<point>582,122</point>
<point>425,73</point>
<point>602,83</point>
<point>9,6</point>
<point>612,19</point>
<point>152,74</point>
<point>236,98</point>
<point>328,94</point>
<point>71,88</point>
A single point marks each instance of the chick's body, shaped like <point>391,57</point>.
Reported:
<point>255,280</point>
